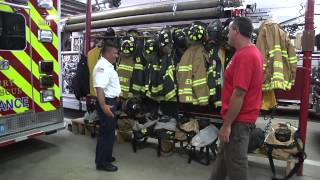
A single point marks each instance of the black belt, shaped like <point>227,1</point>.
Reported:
<point>111,98</point>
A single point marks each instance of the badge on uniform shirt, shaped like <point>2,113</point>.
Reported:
<point>100,70</point>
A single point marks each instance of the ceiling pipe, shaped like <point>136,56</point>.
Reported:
<point>151,18</point>
<point>147,9</point>
<point>66,10</point>
<point>75,3</point>
<point>76,9</point>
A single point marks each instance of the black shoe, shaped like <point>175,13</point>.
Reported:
<point>113,159</point>
<point>109,167</point>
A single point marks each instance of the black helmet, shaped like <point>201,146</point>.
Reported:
<point>109,33</point>
<point>179,38</point>
<point>225,30</point>
<point>165,37</point>
<point>151,45</point>
<point>132,107</point>
<point>196,31</point>
<point>214,30</point>
<point>128,45</point>
<point>133,32</point>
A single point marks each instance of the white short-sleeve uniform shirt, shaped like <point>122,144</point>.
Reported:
<point>106,77</point>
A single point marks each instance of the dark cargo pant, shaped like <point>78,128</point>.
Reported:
<point>106,135</point>
<point>232,160</point>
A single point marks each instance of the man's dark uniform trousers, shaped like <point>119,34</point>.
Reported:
<point>105,77</point>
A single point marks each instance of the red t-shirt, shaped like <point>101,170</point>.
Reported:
<point>245,71</point>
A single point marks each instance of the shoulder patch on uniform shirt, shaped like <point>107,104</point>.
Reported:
<point>100,69</point>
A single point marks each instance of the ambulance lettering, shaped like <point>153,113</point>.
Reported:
<point>11,104</point>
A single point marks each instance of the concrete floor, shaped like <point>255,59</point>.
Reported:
<point>66,156</point>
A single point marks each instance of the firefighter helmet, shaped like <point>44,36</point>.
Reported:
<point>224,34</point>
<point>165,37</point>
<point>225,30</point>
<point>109,33</point>
<point>151,46</point>
<point>179,38</point>
<point>133,32</point>
<point>214,31</point>
<point>132,107</point>
<point>128,45</point>
<point>196,31</point>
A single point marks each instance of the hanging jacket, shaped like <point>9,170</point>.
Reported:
<point>154,82</point>
<point>169,86</point>
<point>176,56</point>
<point>221,58</point>
<point>192,76</point>
<point>137,82</point>
<point>228,53</point>
<point>211,80</point>
<point>93,56</point>
<point>269,100</point>
<point>138,79</point>
<point>125,69</point>
<point>210,67</point>
<point>280,60</point>
<point>214,76</point>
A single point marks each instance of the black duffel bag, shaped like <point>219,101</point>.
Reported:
<point>256,139</point>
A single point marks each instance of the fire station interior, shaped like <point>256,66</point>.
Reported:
<point>157,136</point>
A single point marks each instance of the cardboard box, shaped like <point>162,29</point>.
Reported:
<point>124,136</point>
<point>78,126</point>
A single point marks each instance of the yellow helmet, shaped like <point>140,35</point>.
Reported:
<point>128,45</point>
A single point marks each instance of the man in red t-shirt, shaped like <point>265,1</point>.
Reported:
<point>241,100</point>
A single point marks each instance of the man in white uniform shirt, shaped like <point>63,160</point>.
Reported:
<point>107,88</point>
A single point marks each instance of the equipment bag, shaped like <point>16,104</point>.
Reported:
<point>205,137</point>
<point>91,117</point>
<point>165,128</point>
<point>256,139</point>
<point>282,142</point>
<point>145,126</point>
<point>190,127</point>
<point>80,81</point>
